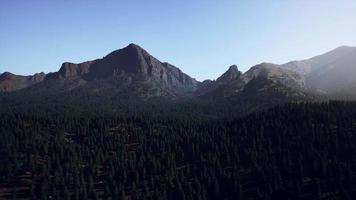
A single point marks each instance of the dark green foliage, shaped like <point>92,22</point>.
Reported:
<point>298,151</point>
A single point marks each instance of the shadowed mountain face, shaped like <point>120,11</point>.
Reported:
<point>208,87</point>
<point>262,84</point>
<point>231,74</point>
<point>71,70</point>
<point>132,73</point>
<point>130,70</point>
<point>10,82</point>
<point>331,74</point>
<point>136,63</point>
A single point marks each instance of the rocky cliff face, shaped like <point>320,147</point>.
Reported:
<point>71,70</point>
<point>132,71</point>
<point>10,82</point>
<point>209,88</point>
<point>137,63</point>
<point>231,74</point>
<point>258,82</point>
<point>127,70</point>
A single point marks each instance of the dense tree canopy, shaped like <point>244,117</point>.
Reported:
<point>298,151</point>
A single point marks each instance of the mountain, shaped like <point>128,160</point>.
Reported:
<point>134,67</point>
<point>332,73</point>
<point>233,81</point>
<point>338,77</point>
<point>262,86</point>
<point>231,74</point>
<point>274,73</point>
<point>307,66</point>
<point>70,70</point>
<point>208,86</point>
<point>130,71</point>
<point>11,82</point>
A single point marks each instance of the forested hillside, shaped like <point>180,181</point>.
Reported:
<point>297,151</point>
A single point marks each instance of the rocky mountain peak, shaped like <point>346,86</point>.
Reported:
<point>129,60</point>
<point>10,82</point>
<point>38,77</point>
<point>6,75</point>
<point>133,46</point>
<point>131,66</point>
<point>68,69</point>
<point>134,61</point>
<point>231,74</point>
<point>233,67</point>
<point>133,69</point>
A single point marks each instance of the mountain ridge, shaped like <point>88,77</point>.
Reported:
<point>11,82</point>
<point>133,72</point>
<point>126,69</point>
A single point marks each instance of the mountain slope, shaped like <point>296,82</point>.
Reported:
<point>332,73</point>
<point>208,86</point>
<point>131,75</point>
<point>305,67</point>
<point>268,76</point>
<point>275,73</point>
<point>133,66</point>
<point>127,71</point>
<point>10,82</point>
<point>336,77</point>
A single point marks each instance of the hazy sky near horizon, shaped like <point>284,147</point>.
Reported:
<point>201,37</point>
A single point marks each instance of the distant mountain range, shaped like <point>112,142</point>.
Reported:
<point>132,72</point>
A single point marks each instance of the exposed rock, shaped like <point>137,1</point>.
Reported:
<point>275,73</point>
<point>233,82</point>
<point>135,61</point>
<point>127,70</point>
<point>71,70</point>
<point>231,74</point>
<point>208,87</point>
<point>132,70</point>
<point>10,82</point>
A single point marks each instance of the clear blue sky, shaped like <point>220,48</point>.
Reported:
<point>202,37</point>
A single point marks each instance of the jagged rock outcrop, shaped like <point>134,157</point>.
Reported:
<point>137,63</point>
<point>133,72</point>
<point>208,87</point>
<point>233,82</point>
<point>71,70</point>
<point>10,82</point>
<point>128,70</point>
<point>231,74</point>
